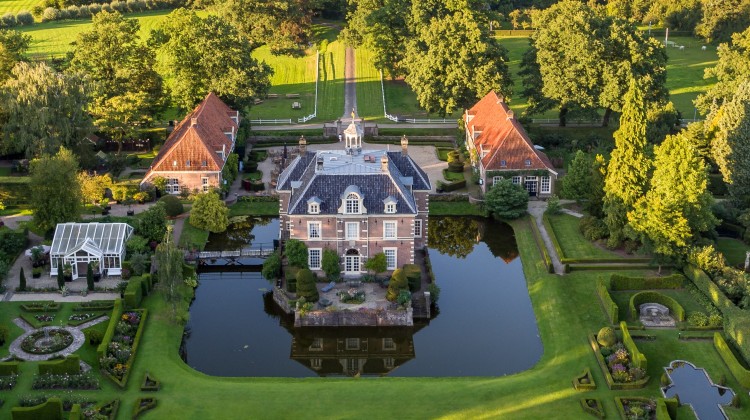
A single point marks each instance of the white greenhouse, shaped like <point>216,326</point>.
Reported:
<point>80,244</point>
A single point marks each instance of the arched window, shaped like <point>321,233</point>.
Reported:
<point>352,204</point>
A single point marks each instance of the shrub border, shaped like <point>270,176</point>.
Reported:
<point>142,409</point>
<point>608,304</point>
<point>579,386</point>
<point>541,246</point>
<point>596,413</point>
<point>651,295</point>
<point>738,371</point>
<point>52,306</point>
<point>116,313</point>
<point>637,358</point>
<point>133,350</point>
<point>77,323</point>
<point>618,282</point>
<point>611,384</point>
<point>621,407</point>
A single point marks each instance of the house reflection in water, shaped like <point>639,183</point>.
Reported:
<point>353,351</point>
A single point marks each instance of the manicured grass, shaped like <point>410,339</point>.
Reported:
<point>455,208</point>
<point>369,93</point>
<point>453,176</point>
<point>685,72</point>
<point>331,84</point>
<point>401,101</point>
<point>262,208</point>
<point>443,153</point>
<point>682,296</point>
<point>254,176</point>
<point>15,6</point>
<point>16,210</point>
<point>448,130</point>
<point>733,249</point>
<point>572,242</point>
<point>192,237</point>
<point>5,171</point>
<point>52,39</point>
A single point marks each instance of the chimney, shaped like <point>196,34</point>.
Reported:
<point>510,114</point>
<point>193,122</point>
<point>384,162</point>
<point>302,145</point>
<point>404,145</point>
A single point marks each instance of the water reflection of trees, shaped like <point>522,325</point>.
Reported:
<point>500,239</point>
<point>454,236</point>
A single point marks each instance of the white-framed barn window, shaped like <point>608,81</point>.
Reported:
<point>546,184</point>
<point>389,230</point>
<point>313,230</point>
<point>314,258</point>
<point>390,258</point>
<point>352,230</point>
<point>173,186</point>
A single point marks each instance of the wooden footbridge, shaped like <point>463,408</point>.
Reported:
<point>236,256</point>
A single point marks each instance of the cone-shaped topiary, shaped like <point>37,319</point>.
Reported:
<point>306,285</point>
<point>60,278</point>
<point>398,282</point>
<point>22,281</point>
<point>606,337</point>
<point>90,278</point>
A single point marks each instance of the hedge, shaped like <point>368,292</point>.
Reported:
<point>650,296</point>
<point>150,383</point>
<point>596,267</point>
<point>542,247</point>
<point>413,276</point>
<point>101,351</point>
<point>75,412</point>
<point>77,323</point>
<point>133,350</point>
<point>580,386</point>
<point>110,409</point>
<point>94,305</point>
<point>143,404</point>
<point>9,368</point>
<point>134,292</point>
<point>45,306</point>
<point>740,373</point>
<point>451,186</point>
<point>553,237</point>
<point>610,307</point>
<point>611,384</point>
<point>637,358</point>
<point>52,409</point>
<point>70,365</point>
<point>666,408</point>
<point>736,320</point>
<point>620,282</point>
<point>621,408</point>
<point>615,260</point>
<point>596,412</point>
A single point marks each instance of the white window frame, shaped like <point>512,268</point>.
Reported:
<point>496,179</point>
<point>390,208</point>
<point>313,208</point>
<point>389,363</point>
<point>517,180</point>
<point>173,186</point>
<point>417,228</point>
<point>351,227</point>
<point>391,261</point>
<point>546,185</point>
<point>527,162</point>
<point>388,223</point>
<point>314,255</point>
<point>314,230</point>
<point>352,204</point>
<point>204,184</point>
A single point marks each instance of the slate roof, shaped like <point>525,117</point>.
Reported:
<point>364,171</point>
<point>503,137</point>
<point>197,138</point>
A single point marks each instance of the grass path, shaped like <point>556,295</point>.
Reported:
<point>369,93</point>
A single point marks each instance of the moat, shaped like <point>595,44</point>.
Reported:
<point>483,325</point>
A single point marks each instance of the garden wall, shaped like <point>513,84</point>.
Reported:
<point>282,300</point>
<point>361,318</point>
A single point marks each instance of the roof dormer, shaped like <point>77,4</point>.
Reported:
<point>313,205</point>
<point>389,204</point>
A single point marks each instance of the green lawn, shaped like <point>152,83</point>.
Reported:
<point>261,208</point>
<point>52,39</point>
<point>455,208</point>
<point>331,84</point>
<point>566,309</point>
<point>682,296</point>
<point>369,92</point>
<point>685,73</point>
<point>453,176</point>
<point>733,249</point>
<point>193,237</point>
<point>572,242</point>
<point>15,6</point>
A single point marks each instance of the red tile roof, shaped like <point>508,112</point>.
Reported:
<point>502,137</point>
<point>197,138</point>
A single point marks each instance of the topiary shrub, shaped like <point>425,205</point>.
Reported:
<point>306,285</point>
<point>396,285</point>
<point>296,253</point>
<point>172,205</point>
<point>94,337</point>
<point>606,337</point>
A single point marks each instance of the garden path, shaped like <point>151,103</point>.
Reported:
<point>75,331</point>
<point>350,86</point>
<point>536,210</point>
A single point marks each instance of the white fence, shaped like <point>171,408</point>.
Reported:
<point>429,121</point>
<point>315,110</point>
<point>286,121</point>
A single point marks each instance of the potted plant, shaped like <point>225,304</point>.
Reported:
<point>68,272</point>
<point>36,256</point>
<point>95,268</point>
<point>36,272</point>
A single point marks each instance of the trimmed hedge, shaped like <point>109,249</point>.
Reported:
<point>553,238</point>
<point>620,282</point>
<point>637,358</point>
<point>650,296</point>
<point>609,305</point>
<point>44,306</point>
<point>451,186</point>
<point>621,408</point>
<point>133,350</point>
<point>597,411</point>
<point>666,408</point>
<point>75,412</point>
<point>595,267</point>
<point>134,292</point>
<point>110,409</point>
<point>77,323</point>
<point>736,320</point>
<point>52,409</point>
<point>413,276</point>
<point>542,247</point>
<point>143,404</point>
<point>94,305</point>
<point>101,351</point>
<point>740,372</point>
<point>70,365</point>
<point>615,260</point>
<point>150,383</point>
<point>9,368</point>
<point>584,386</point>
<point>611,384</point>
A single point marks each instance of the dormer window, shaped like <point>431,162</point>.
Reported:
<point>220,153</point>
<point>390,205</point>
<point>313,208</point>
<point>503,163</point>
<point>390,208</point>
<point>174,163</point>
<point>528,162</point>
<point>205,163</point>
<point>352,204</point>
<point>187,163</point>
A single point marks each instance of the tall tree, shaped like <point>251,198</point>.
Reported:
<point>170,260</point>
<point>731,143</point>
<point>732,67</point>
<point>57,196</point>
<point>586,58</point>
<point>209,213</point>
<point>93,187</point>
<point>722,18</point>
<point>201,55</point>
<point>13,45</point>
<point>284,25</point>
<point>126,90</point>
<point>629,165</point>
<point>576,183</point>
<point>43,110</point>
<point>444,83</point>
<point>677,206</point>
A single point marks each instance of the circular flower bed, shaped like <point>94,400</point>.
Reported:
<point>53,341</point>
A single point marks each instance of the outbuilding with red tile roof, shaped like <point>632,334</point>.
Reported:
<point>500,148</point>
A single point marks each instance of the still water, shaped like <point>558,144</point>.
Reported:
<point>484,324</point>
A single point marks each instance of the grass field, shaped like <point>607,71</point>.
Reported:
<point>369,93</point>
<point>572,242</point>
<point>682,296</point>
<point>733,249</point>
<point>15,6</point>
<point>52,39</point>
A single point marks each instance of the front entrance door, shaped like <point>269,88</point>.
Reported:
<point>531,185</point>
<point>351,261</point>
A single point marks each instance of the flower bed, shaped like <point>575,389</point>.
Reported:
<point>78,319</point>
<point>120,351</point>
<point>8,382</point>
<point>352,296</point>
<point>39,343</point>
<point>107,411</point>
<point>67,402</point>
<point>624,371</point>
<point>636,408</point>
<point>65,381</point>
<point>44,318</point>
